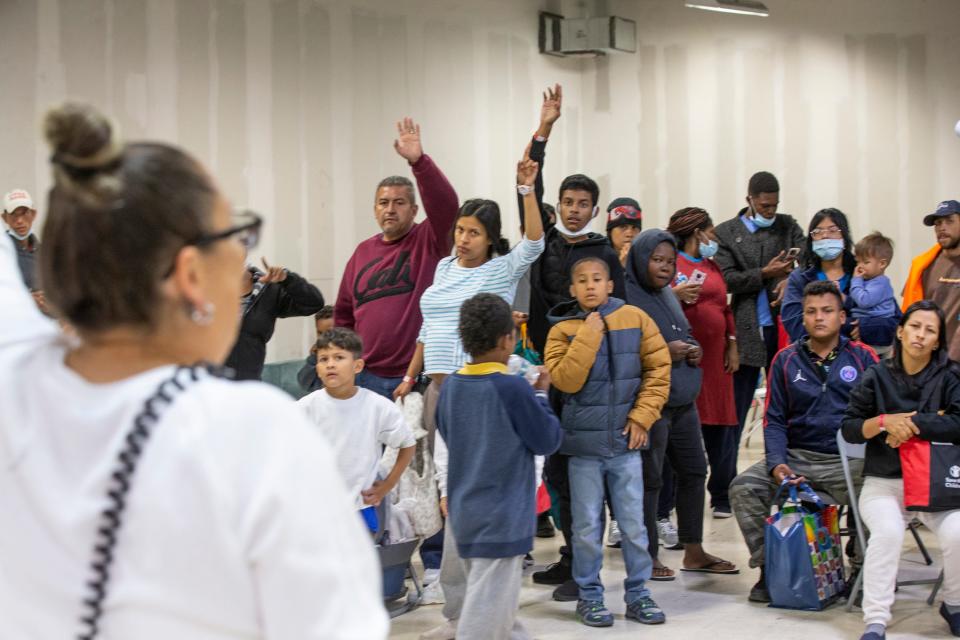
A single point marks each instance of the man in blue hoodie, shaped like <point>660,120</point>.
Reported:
<point>807,393</point>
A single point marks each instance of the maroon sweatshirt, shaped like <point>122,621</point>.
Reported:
<point>380,292</point>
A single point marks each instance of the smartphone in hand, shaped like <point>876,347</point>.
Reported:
<point>698,277</point>
<point>792,254</point>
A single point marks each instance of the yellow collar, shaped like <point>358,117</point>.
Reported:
<point>483,369</point>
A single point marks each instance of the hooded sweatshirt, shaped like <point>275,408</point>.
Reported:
<point>662,305</point>
<point>606,377</point>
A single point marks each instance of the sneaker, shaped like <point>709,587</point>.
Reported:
<point>759,592</point>
<point>593,613</point>
<point>446,631</point>
<point>953,619</point>
<point>433,594</point>
<point>722,513</point>
<point>430,576</point>
<point>645,611</point>
<point>873,635</point>
<point>567,592</point>
<point>545,528</point>
<point>527,561</point>
<point>614,538</point>
<point>669,537</point>
<point>556,573</point>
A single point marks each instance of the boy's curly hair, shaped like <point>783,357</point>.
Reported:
<point>484,319</point>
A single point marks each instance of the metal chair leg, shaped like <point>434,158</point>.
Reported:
<point>936,588</point>
<point>920,545</point>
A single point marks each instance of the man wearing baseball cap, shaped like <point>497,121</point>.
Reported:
<point>19,214</point>
<point>935,274</point>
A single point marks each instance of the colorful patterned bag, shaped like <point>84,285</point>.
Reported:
<point>804,556</point>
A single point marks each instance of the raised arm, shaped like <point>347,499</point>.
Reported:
<point>536,150</point>
<point>439,198</point>
<point>527,172</point>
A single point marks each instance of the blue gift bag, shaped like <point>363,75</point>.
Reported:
<point>804,557</point>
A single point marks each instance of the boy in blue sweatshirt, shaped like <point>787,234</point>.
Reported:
<point>493,425</point>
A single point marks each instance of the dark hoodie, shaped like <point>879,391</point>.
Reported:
<point>934,394</point>
<point>662,305</point>
<point>550,277</point>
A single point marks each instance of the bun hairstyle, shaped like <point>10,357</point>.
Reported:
<point>116,218</point>
<point>487,212</point>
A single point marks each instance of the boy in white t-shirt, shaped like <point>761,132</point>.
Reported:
<point>357,422</point>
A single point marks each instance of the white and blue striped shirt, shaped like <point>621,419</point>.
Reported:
<point>452,286</point>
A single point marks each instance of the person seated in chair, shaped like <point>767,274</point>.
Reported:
<point>807,392</point>
<point>915,394</point>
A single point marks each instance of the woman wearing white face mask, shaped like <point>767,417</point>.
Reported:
<point>829,256</point>
<point>703,293</point>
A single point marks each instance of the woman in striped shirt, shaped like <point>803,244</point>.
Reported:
<point>482,263</point>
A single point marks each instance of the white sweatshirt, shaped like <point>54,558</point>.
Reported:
<point>237,523</point>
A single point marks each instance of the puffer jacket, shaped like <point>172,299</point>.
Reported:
<point>606,378</point>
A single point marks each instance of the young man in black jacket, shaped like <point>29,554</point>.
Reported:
<point>278,293</point>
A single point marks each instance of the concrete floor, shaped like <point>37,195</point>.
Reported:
<point>698,604</point>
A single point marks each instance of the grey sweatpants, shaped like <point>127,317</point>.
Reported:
<point>751,493</point>
<point>493,593</point>
<point>481,594</point>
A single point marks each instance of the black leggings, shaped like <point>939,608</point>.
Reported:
<point>676,437</point>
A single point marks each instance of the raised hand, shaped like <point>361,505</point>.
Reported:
<point>273,274</point>
<point>407,143</point>
<point>552,102</point>
<point>527,172</point>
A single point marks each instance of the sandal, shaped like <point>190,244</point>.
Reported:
<point>713,567</point>
<point>663,574</point>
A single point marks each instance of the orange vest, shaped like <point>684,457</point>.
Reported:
<point>913,288</point>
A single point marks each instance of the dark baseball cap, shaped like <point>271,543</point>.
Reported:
<point>944,209</point>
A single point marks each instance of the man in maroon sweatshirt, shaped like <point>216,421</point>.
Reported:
<point>380,292</point>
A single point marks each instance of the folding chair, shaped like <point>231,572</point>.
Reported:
<point>396,567</point>
<point>857,451</point>
<point>755,415</point>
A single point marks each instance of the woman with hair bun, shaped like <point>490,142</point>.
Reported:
<point>151,498</point>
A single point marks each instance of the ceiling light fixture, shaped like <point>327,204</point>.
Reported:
<point>741,7</point>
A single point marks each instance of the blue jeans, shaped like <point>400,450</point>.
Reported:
<point>623,475</point>
<point>381,386</point>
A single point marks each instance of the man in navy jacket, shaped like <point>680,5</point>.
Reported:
<point>807,392</point>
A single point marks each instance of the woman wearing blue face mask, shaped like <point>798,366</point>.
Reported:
<point>705,306</point>
<point>829,256</point>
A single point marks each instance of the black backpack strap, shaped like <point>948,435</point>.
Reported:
<point>111,518</point>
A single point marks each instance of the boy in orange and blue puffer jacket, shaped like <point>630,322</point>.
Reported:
<point>613,368</point>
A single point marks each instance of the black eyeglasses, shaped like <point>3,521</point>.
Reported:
<point>246,227</point>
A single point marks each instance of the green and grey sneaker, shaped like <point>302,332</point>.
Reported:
<point>593,613</point>
<point>645,611</point>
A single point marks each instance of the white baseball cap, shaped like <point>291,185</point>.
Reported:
<point>16,199</point>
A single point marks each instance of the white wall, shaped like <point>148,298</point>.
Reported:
<point>292,104</point>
